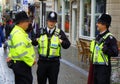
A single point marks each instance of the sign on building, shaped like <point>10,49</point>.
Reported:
<point>25,2</point>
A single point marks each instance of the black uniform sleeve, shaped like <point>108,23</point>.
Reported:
<point>110,46</point>
<point>34,42</point>
<point>2,35</point>
<point>40,31</point>
<point>66,43</point>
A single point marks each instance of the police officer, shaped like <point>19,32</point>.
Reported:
<point>50,41</point>
<point>102,48</point>
<point>21,55</point>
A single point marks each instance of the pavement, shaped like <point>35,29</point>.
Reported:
<point>72,70</point>
<point>6,74</point>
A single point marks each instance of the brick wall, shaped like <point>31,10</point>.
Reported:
<point>113,8</point>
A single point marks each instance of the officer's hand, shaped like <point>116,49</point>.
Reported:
<point>61,40</point>
<point>8,59</point>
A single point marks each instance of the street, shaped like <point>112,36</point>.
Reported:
<point>92,27</point>
<point>71,70</point>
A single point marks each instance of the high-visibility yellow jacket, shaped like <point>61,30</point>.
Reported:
<point>20,47</point>
<point>97,55</point>
<point>49,46</point>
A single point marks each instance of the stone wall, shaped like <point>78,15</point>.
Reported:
<point>113,8</point>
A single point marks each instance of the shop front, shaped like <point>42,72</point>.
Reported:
<point>63,9</point>
<point>90,10</point>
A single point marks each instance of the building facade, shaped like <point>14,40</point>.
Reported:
<point>113,8</point>
<point>84,14</point>
<point>78,17</point>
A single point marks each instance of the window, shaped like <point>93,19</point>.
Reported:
<point>59,14</point>
<point>100,8</point>
<point>59,21</point>
<point>67,7</point>
<point>86,18</point>
<point>66,18</point>
<point>67,23</point>
<point>90,10</point>
<point>18,1</point>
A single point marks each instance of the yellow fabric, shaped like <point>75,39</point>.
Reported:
<point>97,52</point>
<point>43,45</point>
<point>20,46</point>
<point>54,46</point>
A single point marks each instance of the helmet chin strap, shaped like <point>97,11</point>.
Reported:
<point>51,27</point>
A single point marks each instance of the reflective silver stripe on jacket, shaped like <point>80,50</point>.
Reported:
<point>19,44</point>
<point>33,55</point>
<point>28,46</point>
<point>14,33</point>
<point>43,38</point>
<point>21,55</point>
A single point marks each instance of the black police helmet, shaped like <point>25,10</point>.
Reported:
<point>21,16</point>
<point>52,16</point>
<point>105,19</point>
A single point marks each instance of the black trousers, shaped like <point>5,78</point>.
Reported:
<point>48,70</point>
<point>102,74</point>
<point>22,72</point>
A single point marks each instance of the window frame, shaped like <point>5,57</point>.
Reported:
<point>92,22</point>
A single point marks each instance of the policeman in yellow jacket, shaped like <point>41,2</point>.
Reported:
<point>103,48</point>
<point>21,55</point>
<point>50,41</point>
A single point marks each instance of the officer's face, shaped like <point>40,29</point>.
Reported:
<point>51,24</point>
<point>101,27</point>
<point>26,23</point>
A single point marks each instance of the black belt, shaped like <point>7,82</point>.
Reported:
<point>16,61</point>
<point>12,62</point>
<point>48,59</point>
